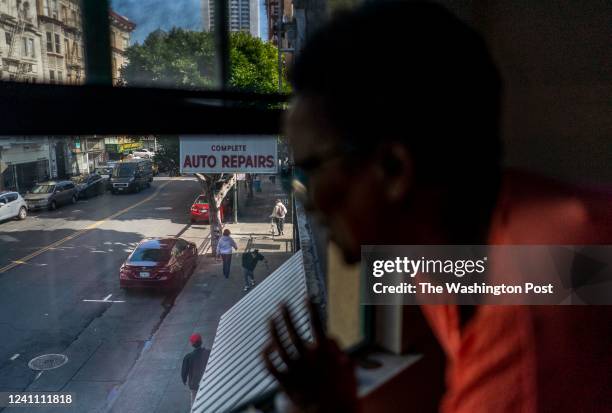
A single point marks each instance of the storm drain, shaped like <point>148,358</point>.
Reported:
<point>48,362</point>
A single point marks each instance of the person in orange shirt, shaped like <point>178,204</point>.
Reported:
<point>406,151</point>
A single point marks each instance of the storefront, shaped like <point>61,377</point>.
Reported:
<point>23,163</point>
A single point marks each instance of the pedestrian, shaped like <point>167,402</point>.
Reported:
<point>194,365</point>
<point>249,262</point>
<point>224,250</point>
<point>278,215</point>
<point>434,170</point>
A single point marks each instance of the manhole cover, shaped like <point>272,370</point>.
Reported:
<point>48,362</point>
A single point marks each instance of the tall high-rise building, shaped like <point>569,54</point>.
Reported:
<point>243,16</point>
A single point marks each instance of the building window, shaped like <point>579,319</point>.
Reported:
<point>113,44</point>
<point>8,37</point>
<point>67,48</point>
<point>49,42</point>
<point>60,77</point>
<point>31,47</point>
<point>58,46</point>
<point>51,76</point>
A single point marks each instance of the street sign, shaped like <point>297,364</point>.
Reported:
<point>228,154</point>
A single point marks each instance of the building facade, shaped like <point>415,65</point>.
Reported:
<point>62,41</point>
<point>120,30</point>
<point>20,42</point>
<point>243,16</point>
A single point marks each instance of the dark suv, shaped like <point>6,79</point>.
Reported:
<point>51,194</point>
<point>131,176</point>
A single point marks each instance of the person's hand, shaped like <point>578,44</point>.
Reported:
<point>318,377</point>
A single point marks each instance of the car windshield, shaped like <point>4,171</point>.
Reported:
<point>124,170</point>
<point>43,189</point>
<point>103,171</point>
<point>79,179</point>
<point>201,200</point>
<point>150,254</point>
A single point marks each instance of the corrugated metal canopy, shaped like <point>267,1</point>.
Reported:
<point>235,371</point>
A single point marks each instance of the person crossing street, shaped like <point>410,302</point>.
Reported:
<point>278,215</point>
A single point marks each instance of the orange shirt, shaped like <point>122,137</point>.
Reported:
<point>533,358</point>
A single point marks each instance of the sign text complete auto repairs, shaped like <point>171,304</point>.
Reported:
<point>228,161</point>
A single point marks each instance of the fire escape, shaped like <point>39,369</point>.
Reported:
<point>13,63</point>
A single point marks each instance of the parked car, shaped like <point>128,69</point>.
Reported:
<point>131,175</point>
<point>12,205</point>
<point>144,153</point>
<point>199,210</point>
<point>89,185</point>
<point>105,173</point>
<point>51,195</point>
<point>164,263</point>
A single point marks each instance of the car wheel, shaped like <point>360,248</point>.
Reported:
<point>53,205</point>
<point>23,212</point>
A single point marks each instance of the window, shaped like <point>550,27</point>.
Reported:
<point>7,37</point>
<point>67,48</point>
<point>25,46</point>
<point>51,76</point>
<point>60,77</point>
<point>31,47</point>
<point>49,42</point>
<point>12,197</point>
<point>58,48</point>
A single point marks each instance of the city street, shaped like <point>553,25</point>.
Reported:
<point>52,263</point>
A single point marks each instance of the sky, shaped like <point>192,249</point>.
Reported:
<point>150,15</point>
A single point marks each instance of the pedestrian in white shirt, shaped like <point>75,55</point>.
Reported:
<point>224,249</point>
<point>278,215</point>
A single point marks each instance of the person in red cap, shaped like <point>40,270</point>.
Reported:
<point>194,365</point>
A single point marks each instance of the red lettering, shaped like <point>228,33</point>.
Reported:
<point>249,162</point>
<point>270,161</point>
<point>195,161</point>
<point>187,163</point>
<point>261,161</point>
<point>225,161</point>
<point>241,160</point>
<point>234,161</point>
<point>212,161</point>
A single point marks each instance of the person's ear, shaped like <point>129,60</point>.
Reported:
<point>396,170</point>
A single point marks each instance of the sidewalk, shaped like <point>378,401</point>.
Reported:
<point>154,384</point>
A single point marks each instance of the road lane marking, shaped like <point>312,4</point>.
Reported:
<point>85,230</point>
<point>14,356</point>
<point>107,297</point>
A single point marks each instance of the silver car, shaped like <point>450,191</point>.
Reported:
<point>12,205</point>
<point>51,195</point>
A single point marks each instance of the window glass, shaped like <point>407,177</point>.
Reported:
<point>150,254</point>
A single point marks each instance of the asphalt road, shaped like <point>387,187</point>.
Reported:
<point>71,255</point>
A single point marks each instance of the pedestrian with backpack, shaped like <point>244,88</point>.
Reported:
<point>278,215</point>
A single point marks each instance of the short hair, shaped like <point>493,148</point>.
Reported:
<point>410,72</point>
<point>226,232</point>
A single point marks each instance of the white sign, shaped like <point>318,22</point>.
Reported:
<point>228,154</point>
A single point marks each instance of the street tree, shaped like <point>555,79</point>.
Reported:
<point>184,59</point>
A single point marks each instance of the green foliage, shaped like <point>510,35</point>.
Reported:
<point>185,59</point>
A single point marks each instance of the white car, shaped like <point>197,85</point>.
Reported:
<point>144,153</point>
<point>12,205</point>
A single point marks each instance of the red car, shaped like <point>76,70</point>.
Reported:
<point>199,210</point>
<point>159,263</point>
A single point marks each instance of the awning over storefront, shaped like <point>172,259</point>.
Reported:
<point>235,372</point>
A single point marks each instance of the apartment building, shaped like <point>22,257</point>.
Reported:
<point>120,29</point>
<point>20,40</point>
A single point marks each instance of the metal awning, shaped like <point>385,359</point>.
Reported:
<point>235,372</point>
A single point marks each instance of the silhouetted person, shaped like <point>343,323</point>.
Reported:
<point>249,262</point>
<point>194,365</point>
<point>394,128</point>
